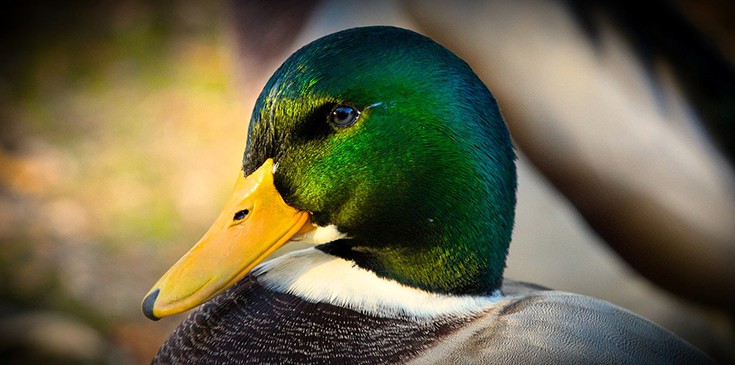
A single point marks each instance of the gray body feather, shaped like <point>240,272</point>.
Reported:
<point>250,324</point>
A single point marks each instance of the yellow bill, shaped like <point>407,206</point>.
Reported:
<point>254,223</point>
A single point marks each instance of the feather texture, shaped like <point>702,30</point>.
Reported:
<point>252,324</point>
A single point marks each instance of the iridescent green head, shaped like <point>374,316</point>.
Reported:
<point>394,140</point>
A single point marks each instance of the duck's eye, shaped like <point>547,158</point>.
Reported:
<point>240,215</point>
<point>343,115</point>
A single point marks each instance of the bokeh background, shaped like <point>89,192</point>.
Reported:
<point>121,130</point>
<point>122,126</point>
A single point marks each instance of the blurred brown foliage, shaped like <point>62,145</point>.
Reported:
<point>111,118</point>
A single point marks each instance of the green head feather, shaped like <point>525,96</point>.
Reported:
<point>423,182</point>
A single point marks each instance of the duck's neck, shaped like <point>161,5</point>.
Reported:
<point>318,277</point>
<point>462,257</point>
<point>436,271</point>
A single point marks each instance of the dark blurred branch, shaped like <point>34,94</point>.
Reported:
<point>658,30</point>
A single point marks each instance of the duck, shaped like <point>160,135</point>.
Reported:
<point>386,152</point>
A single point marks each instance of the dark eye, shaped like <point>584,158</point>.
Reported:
<point>343,115</point>
<point>240,215</point>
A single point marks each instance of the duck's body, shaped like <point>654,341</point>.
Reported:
<point>284,314</point>
<point>387,151</point>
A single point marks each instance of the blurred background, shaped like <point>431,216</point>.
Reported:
<point>122,126</point>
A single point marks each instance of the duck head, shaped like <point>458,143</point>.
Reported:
<point>383,147</point>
